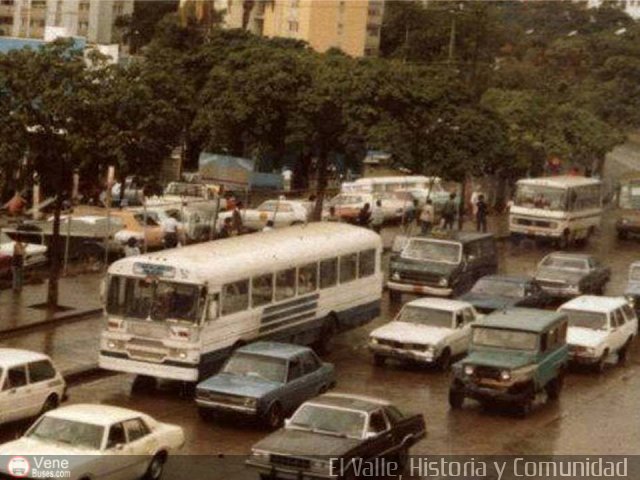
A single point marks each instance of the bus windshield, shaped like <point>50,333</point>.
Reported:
<point>433,251</point>
<point>538,196</point>
<point>158,300</point>
<point>630,195</point>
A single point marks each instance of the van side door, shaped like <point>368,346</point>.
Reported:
<point>553,354</point>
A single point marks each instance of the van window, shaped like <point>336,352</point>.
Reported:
<point>116,436</point>
<point>235,297</point>
<point>367,263</point>
<point>41,371</point>
<point>328,272</point>
<point>628,312</point>
<point>307,278</point>
<point>16,378</point>
<point>295,369</point>
<point>285,284</point>
<point>619,318</point>
<point>262,290</point>
<point>348,267</point>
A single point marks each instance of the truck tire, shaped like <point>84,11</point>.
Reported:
<point>554,387</point>
<point>456,398</point>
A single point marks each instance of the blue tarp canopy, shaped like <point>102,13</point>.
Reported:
<point>235,172</point>
<point>12,43</point>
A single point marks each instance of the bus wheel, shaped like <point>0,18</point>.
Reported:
<point>324,344</point>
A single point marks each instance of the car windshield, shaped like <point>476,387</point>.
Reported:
<point>498,287</point>
<point>634,274</point>
<point>586,319</point>
<point>272,206</point>
<point>185,189</point>
<point>503,338</point>
<point>325,419</point>
<point>538,196</point>
<point>347,200</point>
<point>565,263</point>
<point>68,432</point>
<point>630,195</point>
<point>432,250</point>
<point>249,365</point>
<point>430,317</point>
<point>158,300</point>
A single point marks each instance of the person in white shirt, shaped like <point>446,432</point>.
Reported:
<point>131,249</point>
<point>426,217</point>
<point>377,217</point>
<point>170,228</point>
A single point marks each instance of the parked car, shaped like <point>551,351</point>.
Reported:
<point>144,227</point>
<point>265,380</point>
<point>567,275</point>
<point>30,384</point>
<point>514,355</point>
<point>632,292</point>
<point>628,222</point>
<point>598,328</point>
<point>283,213</point>
<point>427,330</point>
<point>495,292</point>
<point>336,429</point>
<point>35,254</point>
<point>100,441</point>
<point>395,205</point>
<point>442,265</point>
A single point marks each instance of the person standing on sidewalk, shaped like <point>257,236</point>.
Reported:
<point>426,217</point>
<point>238,224</point>
<point>364,216</point>
<point>481,214</point>
<point>449,212</point>
<point>377,217</point>
<point>17,264</point>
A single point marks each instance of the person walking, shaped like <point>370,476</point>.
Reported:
<point>449,212</point>
<point>364,216</point>
<point>17,265</point>
<point>333,216</point>
<point>227,228</point>
<point>481,214</point>
<point>426,217</point>
<point>238,225</point>
<point>377,217</point>
<point>131,249</point>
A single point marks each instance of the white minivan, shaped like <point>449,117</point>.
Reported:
<point>31,384</point>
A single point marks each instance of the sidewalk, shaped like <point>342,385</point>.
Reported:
<point>80,295</point>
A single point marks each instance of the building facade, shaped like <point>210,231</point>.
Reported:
<point>91,19</point>
<point>352,26</point>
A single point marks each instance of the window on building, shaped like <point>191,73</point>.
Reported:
<point>293,26</point>
<point>6,20</point>
<point>38,3</point>
<point>340,28</point>
<point>84,6</point>
<point>7,2</point>
<point>373,30</point>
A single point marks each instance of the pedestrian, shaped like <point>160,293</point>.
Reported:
<point>17,264</point>
<point>426,217</point>
<point>227,228</point>
<point>449,212</point>
<point>377,217</point>
<point>269,226</point>
<point>131,249</point>
<point>170,227</point>
<point>364,216</point>
<point>237,218</point>
<point>481,214</point>
<point>15,207</point>
<point>333,216</point>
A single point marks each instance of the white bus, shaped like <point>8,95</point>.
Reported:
<point>565,208</point>
<point>392,184</point>
<point>176,314</point>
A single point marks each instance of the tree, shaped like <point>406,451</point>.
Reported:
<point>139,28</point>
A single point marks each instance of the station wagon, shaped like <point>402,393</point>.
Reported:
<point>514,355</point>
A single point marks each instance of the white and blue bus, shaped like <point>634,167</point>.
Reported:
<point>177,314</point>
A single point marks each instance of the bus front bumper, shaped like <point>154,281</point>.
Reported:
<point>421,289</point>
<point>519,232</point>
<point>120,363</point>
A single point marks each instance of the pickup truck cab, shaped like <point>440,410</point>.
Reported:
<point>514,355</point>
<point>427,330</point>
<point>598,328</point>
<point>443,264</point>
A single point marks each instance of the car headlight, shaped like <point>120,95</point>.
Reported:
<point>469,370</point>
<point>430,348</point>
<point>443,282</point>
<point>250,402</point>
<point>176,353</point>
<point>395,276</point>
<point>591,351</point>
<point>631,300</point>
<point>260,454</point>
<point>320,465</point>
<point>373,340</point>
<point>505,375</point>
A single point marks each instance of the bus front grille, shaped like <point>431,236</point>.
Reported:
<point>145,355</point>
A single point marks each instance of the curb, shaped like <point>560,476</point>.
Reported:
<point>55,321</point>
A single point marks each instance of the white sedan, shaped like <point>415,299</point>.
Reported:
<point>97,441</point>
<point>283,213</point>
<point>34,254</point>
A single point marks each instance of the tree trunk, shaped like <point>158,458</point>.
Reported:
<point>321,186</point>
<point>54,247</point>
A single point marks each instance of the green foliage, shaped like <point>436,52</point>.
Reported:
<point>139,28</point>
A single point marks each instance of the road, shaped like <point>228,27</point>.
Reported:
<point>597,414</point>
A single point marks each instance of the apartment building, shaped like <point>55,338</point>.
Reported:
<point>631,7</point>
<point>91,19</point>
<point>353,26</point>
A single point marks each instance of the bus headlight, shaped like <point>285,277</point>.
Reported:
<point>469,370</point>
<point>505,375</point>
<point>443,282</point>
<point>115,345</point>
<point>181,354</point>
<point>395,276</point>
<point>250,402</point>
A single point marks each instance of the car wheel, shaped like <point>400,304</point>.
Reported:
<point>622,235</point>
<point>623,353</point>
<point>379,360</point>
<point>456,399</point>
<point>524,408</point>
<point>554,387</point>
<point>206,414</point>
<point>275,416</point>
<point>602,362</point>
<point>444,362</point>
<point>402,458</point>
<point>156,467</point>
<point>51,403</point>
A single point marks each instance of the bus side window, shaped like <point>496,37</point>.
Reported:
<point>285,284</point>
<point>262,290</point>
<point>235,297</point>
<point>307,278</point>
<point>367,263</point>
<point>328,273</point>
<point>348,267</point>
<point>213,307</point>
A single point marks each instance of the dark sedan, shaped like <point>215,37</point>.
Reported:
<point>568,275</point>
<point>335,436</point>
<point>497,292</point>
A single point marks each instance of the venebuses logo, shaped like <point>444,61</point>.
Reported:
<point>18,467</point>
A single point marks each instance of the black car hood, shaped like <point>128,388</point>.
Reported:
<point>437,268</point>
<point>563,275</point>
<point>288,441</point>
<point>488,302</point>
